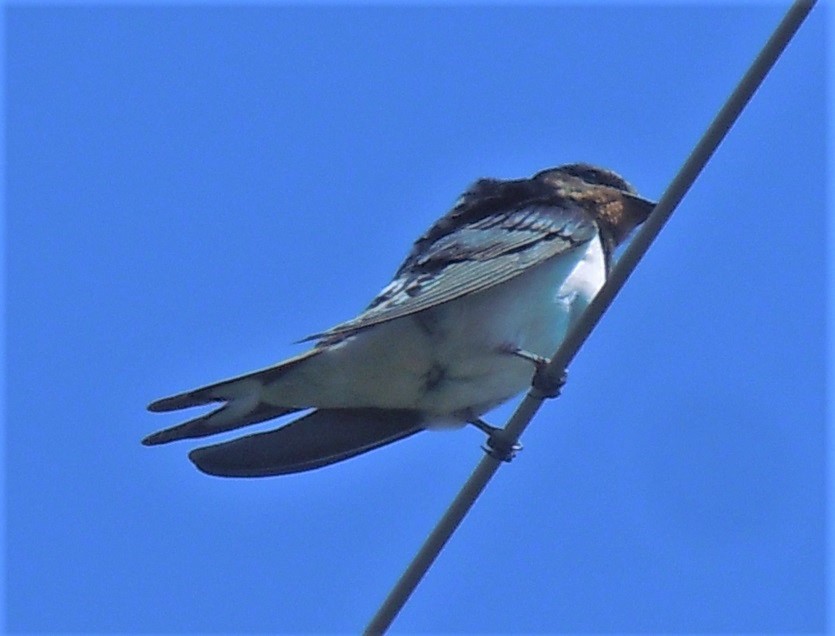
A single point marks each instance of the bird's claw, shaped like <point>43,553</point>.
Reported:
<point>546,384</point>
<point>499,444</point>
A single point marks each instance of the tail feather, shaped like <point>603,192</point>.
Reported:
<point>186,400</point>
<point>323,437</point>
<point>242,404</point>
<point>218,421</point>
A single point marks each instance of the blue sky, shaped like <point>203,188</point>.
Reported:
<point>190,189</point>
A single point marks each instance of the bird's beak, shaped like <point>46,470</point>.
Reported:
<point>640,201</point>
<point>639,207</point>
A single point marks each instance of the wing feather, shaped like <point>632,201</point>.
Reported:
<point>315,440</point>
<point>472,258</point>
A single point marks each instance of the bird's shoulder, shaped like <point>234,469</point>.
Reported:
<point>494,232</point>
<point>496,210</point>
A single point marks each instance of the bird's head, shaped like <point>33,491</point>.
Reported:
<point>613,202</point>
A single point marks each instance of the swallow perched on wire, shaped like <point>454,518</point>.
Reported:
<point>492,287</point>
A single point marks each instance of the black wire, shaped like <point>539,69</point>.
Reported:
<point>626,264</point>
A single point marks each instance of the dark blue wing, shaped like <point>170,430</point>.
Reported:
<point>473,257</point>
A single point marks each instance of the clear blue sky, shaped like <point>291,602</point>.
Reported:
<point>191,189</point>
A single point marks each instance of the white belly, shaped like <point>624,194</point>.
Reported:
<point>449,359</point>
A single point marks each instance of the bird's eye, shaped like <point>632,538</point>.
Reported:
<point>605,178</point>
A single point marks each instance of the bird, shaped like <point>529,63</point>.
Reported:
<point>483,297</point>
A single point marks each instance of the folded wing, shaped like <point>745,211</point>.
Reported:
<point>472,258</point>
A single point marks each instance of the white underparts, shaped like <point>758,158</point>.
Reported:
<point>452,358</point>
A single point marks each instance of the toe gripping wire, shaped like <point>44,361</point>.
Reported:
<point>501,443</point>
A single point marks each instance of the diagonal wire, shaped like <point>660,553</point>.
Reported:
<point>520,419</point>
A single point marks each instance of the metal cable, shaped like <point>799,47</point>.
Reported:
<point>520,419</point>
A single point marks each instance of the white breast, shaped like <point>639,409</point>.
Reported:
<point>449,359</point>
<point>532,312</point>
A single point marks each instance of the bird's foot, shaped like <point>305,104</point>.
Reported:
<point>548,385</point>
<point>544,382</point>
<point>499,444</point>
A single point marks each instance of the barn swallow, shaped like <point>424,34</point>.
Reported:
<point>491,287</point>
